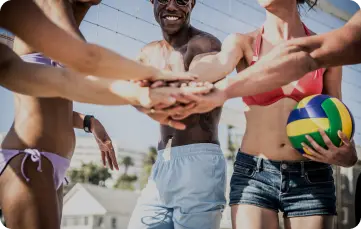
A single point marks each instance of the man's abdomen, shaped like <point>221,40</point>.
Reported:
<point>201,128</point>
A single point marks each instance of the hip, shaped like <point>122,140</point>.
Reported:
<point>60,142</point>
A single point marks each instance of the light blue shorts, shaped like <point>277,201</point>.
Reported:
<point>186,189</point>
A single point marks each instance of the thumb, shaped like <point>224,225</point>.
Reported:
<point>343,138</point>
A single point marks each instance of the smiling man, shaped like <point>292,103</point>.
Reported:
<point>187,185</point>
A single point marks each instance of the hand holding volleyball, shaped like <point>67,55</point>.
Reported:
<point>321,128</point>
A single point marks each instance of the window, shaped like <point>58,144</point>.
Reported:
<point>76,221</point>
<point>100,222</point>
<point>72,221</point>
<point>65,222</point>
<point>114,223</point>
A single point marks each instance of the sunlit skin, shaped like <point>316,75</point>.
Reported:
<point>265,134</point>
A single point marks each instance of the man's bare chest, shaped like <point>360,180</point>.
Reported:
<point>167,58</point>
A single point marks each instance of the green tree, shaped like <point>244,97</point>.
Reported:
<point>90,173</point>
<point>148,162</point>
<point>127,162</point>
<point>125,182</point>
<point>231,144</point>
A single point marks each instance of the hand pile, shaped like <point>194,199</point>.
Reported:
<point>170,102</point>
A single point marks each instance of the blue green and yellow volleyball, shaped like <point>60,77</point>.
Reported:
<point>319,112</point>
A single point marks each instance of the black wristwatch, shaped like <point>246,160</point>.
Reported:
<point>87,123</point>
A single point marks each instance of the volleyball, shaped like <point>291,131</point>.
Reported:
<point>319,112</point>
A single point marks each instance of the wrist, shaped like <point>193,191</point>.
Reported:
<point>143,96</point>
<point>93,122</point>
<point>224,88</point>
<point>226,95</point>
<point>152,73</point>
<point>88,123</point>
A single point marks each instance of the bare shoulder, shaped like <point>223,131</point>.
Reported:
<point>237,40</point>
<point>205,42</point>
<point>151,46</point>
<point>238,37</point>
<point>148,50</point>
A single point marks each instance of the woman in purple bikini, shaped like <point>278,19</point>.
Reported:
<point>36,152</point>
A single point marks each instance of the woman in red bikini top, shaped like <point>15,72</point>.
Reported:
<point>269,175</point>
<point>310,84</point>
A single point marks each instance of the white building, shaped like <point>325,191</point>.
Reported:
<point>105,208</point>
<point>93,207</point>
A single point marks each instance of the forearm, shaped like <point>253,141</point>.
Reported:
<point>57,44</point>
<point>46,81</point>
<point>94,90</point>
<point>211,68</point>
<point>25,78</point>
<point>267,75</point>
<point>335,48</point>
<point>78,120</point>
<point>341,46</point>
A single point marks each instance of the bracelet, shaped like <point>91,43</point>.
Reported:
<point>87,123</point>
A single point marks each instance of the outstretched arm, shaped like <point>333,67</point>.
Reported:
<point>33,79</point>
<point>338,47</point>
<point>213,67</point>
<point>293,59</point>
<point>289,62</point>
<point>267,74</point>
<point>27,21</point>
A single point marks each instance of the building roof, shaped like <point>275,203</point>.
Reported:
<point>112,200</point>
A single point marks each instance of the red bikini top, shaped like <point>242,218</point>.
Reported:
<point>310,84</point>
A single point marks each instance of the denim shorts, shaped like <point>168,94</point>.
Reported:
<point>186,189</point>
<point>303,188</point>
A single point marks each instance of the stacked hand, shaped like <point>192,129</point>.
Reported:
<point>187,98</point>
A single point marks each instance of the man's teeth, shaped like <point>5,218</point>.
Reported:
<point>172,18</point>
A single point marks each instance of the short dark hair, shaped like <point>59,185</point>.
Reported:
<point>310,3</point>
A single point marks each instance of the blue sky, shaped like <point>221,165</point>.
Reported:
<point>126,25</point>
<point>346,5</point>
